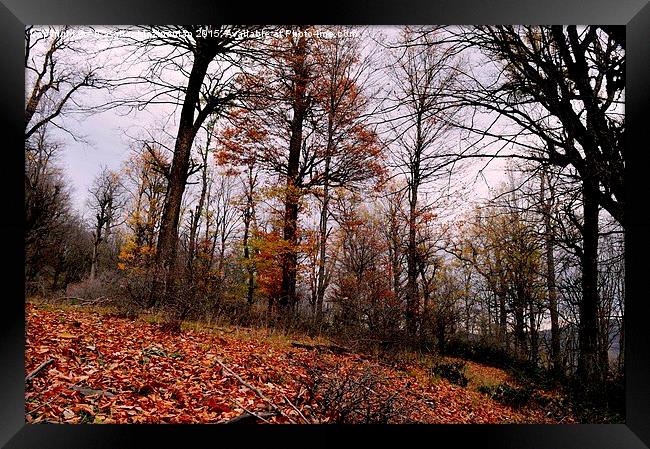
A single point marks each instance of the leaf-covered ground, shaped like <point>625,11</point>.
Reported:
<point>106,369</point>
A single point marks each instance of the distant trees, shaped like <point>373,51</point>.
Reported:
<point>57,74</point>
<point>564,86</point>
<point>421,76</point>
<point>107,199</point>
<point>146,180</point>
<point>55,238</point>
<point>363,300</point>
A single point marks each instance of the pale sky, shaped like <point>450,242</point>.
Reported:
<point>107,145</point>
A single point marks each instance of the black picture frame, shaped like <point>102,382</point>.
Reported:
<point>634,14</point>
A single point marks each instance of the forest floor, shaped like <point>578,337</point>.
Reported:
<point>100,368</point>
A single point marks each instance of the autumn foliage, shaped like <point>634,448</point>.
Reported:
<point>107,369</point>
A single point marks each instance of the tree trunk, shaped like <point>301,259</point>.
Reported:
<point>196,218</point>
<point>93,263</point>
<point>502,311</point>
<point>55,278</point>
<point>95,256</point>
<point>411,262</point>
<point>549,243</point>
<point>588,370</point>
<point>534,337</point>
<point>552,301</point>
<point>621,346</point>
<point>394,251</point>
<point>248,218</point>
<point>520,334</point>
<point>322,284</point>
<point>290,257</point>
<point>168,235</point>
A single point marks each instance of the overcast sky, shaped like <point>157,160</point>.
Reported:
<point>106,143</point>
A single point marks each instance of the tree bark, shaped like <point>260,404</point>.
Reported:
<point>520,334</point>
<point>187,128</point>
<point>411,269</point>
<point>322,284</point>
<point>589,370</point>
<point>248,219</point>
<point>290,257</point>
<point>95,256</point>
<point>196,218</point>
<point>534,336</point>
<point>411,253</point>
<point>549,243</point>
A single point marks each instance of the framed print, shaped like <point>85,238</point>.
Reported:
<point>424,221</point>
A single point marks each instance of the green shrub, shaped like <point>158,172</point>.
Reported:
<point>507,394</point>
<point>454,372</point>
<point>482,352</point>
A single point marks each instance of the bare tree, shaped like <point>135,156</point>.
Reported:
<point>106,202</point>
<point>345,76</point>
<point>57,72</point>
<point>47,201</point>
<point>565,87</point>
<point>548,203</point>
<point>206,59</point>
<point>421,75</point>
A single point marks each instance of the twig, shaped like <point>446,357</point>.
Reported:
<point>43,404</point>
<point>70,298</point>
<point>250,412</point>
<point>296,409</point>
<point>245,418</point>
<point>258,392</point>
<point>33,374</point>
<point>50,401</point>
<point>83,301</point>
<point>358,383</point>
<point>332,348</point>
<point>92,392</point>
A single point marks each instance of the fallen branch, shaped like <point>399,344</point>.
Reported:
<point>332,348</point>
<point>70,298</point>
<point>83,301</point>
<point>43,404</point>
<point>249,418</point>
<point>255,390</point>
<point>297,410</point>
<point>248,415</point>
<point>92,392</point>
<point>38,369</point>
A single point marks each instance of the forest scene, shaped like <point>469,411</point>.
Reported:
<point>324,224</point>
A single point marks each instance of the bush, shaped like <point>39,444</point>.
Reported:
<point>603,403</point>
<point>507,394</point>
<point>351,397</point>
<point>104,288</point>
<point>523,371</point>
<point>482,352</point>
<point>454,372</point>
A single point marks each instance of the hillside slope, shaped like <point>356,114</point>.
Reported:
<point>104,369</point>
